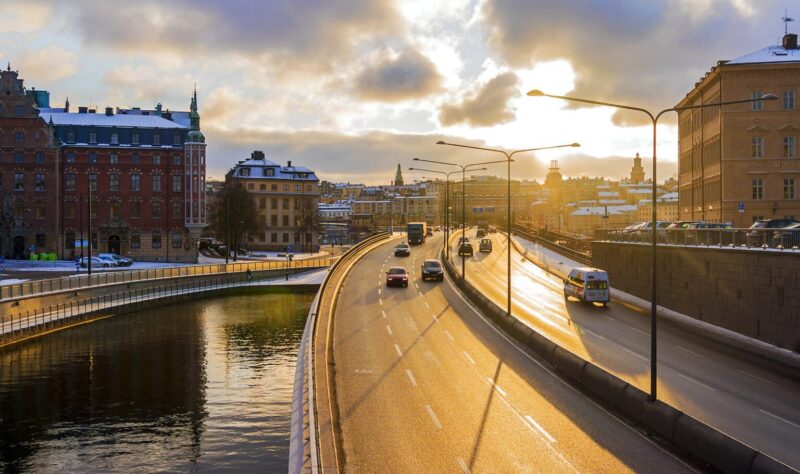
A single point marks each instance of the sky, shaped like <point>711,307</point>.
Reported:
<point>351,88</point>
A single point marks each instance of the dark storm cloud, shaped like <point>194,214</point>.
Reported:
<point>409,75</point>
<point>644,53</point>
<point>488,106</point>
<point>311,33</point>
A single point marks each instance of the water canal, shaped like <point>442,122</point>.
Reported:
<point>198,386</point>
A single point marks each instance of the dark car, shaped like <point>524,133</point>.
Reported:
<point>675,233</point>
<point>485,245</point>
<point>429,232</point>
<point>480,233</point>
<point>708,233</point>
<point>465,249</point>
<point>788,237</point>
<point>758,234</point>
<point>432,270</point>
<point>492,229</point>
<point>397,276</point>
<point>402,250</point>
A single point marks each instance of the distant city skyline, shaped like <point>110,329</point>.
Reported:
<point>351,88</point>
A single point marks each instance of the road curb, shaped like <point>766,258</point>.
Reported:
<point>687,435</point>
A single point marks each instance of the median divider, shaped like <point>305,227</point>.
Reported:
<point>685,434</point>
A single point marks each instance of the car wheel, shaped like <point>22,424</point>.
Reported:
<point>405,285</point>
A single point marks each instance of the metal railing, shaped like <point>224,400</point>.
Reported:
<point>780,239</point>
<point>578,250</point>
<point>111,277</point>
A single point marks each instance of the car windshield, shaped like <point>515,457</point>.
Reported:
<point>432,265</point>
<point>597,285</point>
<point>397,271</point>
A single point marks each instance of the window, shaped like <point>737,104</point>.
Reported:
<point>19,181</point>
<point>176,140</point>
<point>757,147</point>
<point>297,187</point>
<point>262,187</point>
<point>93,212</point>
<point>113,182</point>
<point>93,158</point>
<point>286,221</point>
<point>69,182</point>
<point>273,203</point>
<point>71,157</point>
<point>251,186</point>
<point>113,209</point>
<point>113,158</point>
<point>156,183</point>
<point>286,203</point>
<point>176,160</point>
<point>156,160</point>
<point>177,210</point>
<point>69,209</point>
<point>177,183</point>
<point>19,157</point>
<point>157,139</point>
<point>92,181</point>
<point>758,188</point>
<point>134,138</point>
<point>273,220</point>
<point>136,182</point>
<point>70,240</point>
<point>136,209</point>
<point>262,203</point>
<point>758,104</point>
<point>788,99</point>
<point>70,137</point>
<point>41,240</point>
<point>92,137</point>
<point>19,110</point>
<point>789,148</point>
<point>135,159</point>
<point>274,187</point>
<point>308,187</point>
<point>39,158</point>
<point>114,138</point>
<point>136,241</point>
<point>788,188</point>
<point>19,208</point>
<point>156,240</point>
<point>38,210</point>
<point>269,172</point>
<point>285,187</point>
<point>177,240</point>
<point>39,182</point>
<point>157,210</point>
<point>19,137</point>
<point>286,237</point>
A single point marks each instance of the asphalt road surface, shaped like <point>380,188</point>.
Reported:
<point>425,384</point>
<point>746,398</point>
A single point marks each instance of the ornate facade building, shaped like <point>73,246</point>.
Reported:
<point>131,180</point>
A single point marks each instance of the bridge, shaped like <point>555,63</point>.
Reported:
<point>437,378</point>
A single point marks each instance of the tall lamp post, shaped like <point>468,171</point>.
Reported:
<point>654,240</point>
<point>445,247</point>
<point>508,160</point>
<point>464,169</point>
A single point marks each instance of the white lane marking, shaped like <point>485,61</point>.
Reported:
<point>383,313</point>
<point>417,285</point>
<point>433,417</point>
<point>389,329</point>
<point>427,305</point>
<point>397,349</point>
<point>779,418</point>
<point>379,291</point>
<point>463,466</point>
<point>589,331</point>
<point>496,387</point>
<point>380,301</point>
<point>640,331</point>
<point>609,317</point>
<point>690,351</point>
<point>435,318</point>
<point>757,377</point>
<point>412,324</point>
<point>450,336</point>
<point>635,354</point>
<point>411,377</point>
<point>690,379</point>
<point>537,427</point>
<point>468,357</point>
<point>420,293</point>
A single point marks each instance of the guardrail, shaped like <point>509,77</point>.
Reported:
<point>304,445</point>
<point>111,277</point>
<point>781,239</point>
<point>582,256</point>
<point>696,440</point>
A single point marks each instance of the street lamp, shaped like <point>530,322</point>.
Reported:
<point>445,247</point>
<point>654,240</point>
<point>463,169</point>
<point>508,160</point>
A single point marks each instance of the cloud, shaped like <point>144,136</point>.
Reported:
<point>392,77</point>
<point>23,16</point>
<point>49,64</point>
<point>487,106</point>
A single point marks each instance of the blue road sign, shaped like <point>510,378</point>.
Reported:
<point>741,206</point>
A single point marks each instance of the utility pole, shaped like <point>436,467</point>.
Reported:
<point>227,225</point>
<point>89,260</point>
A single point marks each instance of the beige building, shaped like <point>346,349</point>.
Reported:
<point>666,208</point>
<point>397,210</point>
<point>739,163</point>
<point>287,198</point>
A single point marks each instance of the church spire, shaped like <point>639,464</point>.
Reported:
<point>398,177</point>
<point>195,135</point>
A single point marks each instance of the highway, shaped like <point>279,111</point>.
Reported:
<point>426,384</point>
<point>746,398</point>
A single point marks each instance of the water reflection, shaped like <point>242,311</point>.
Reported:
<point>195,386</point>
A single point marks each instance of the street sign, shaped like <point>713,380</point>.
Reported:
<point>81,243</point>
<point>289,248</point>
<point>741,206</point>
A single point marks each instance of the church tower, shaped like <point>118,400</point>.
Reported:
<point>195,175</point>
<point>398,177</point>
<point>637,172</point>
<point>553,182</point>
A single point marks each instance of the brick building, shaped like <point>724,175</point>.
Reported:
<point>144,169</point>
<point>742,155</point>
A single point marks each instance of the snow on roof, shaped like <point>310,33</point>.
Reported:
<point>608,194</point>
<point>601,210</point>
<point>640,191</point>
<point>103,120</point>
<point>770,54</point>
<point>256,169</point>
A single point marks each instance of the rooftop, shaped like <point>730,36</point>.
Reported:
<point>59,117</point>
<point>770,54</point>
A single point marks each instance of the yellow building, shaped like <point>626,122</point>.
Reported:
<point>739,163</point>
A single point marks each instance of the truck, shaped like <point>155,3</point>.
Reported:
<point>483,225</point>
<point>417,232</point>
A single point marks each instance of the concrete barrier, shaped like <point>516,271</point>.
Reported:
<point>657,416</point>
<point>763,464</point>
<point>569,364</point>
<point>520,331</point>
<point>714,447</point>
<point>603,385</point>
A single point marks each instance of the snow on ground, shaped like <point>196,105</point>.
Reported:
<point>69,266</point>
<point>12,281</point>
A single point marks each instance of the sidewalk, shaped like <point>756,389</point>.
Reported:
<point>560,266</point>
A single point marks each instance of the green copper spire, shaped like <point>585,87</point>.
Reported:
<point>398,177</point>
<point>195,135</point>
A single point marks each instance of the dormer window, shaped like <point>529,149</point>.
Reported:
<point>114,139</point>
<point>244,172</point>
<point>92,137</point>
<point>134,138</point>
<point>269,172</point>
<point>157,139</point>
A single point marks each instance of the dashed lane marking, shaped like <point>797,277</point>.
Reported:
<point>450,336</point>
<point>757,377</point>
<point>468,357</point>
<point>538,427</point>
<point>383,313</point>
<point>433,417</point>
<point>695,381</point>
<point>690,351</point>
<point>463,466</point>
<point>779,418</point>
<point>635,354</point>
<point>411,378</point>
<point>397,349</point>
<point>640,331</point>
<point>380,301</point>
<point>389,329</point>
<point>496,387</point>
<point>427,305</point>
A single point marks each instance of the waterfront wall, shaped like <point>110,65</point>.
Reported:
<point>753,292</point>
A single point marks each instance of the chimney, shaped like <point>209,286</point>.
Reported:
<point>790,41</point>
<point>109,111</point>
<point>82,110</point>
<point>289,164</point>
<point>257,155</point>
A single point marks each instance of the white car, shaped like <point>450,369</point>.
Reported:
<point>97,262</point>
<point>588,285</point>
